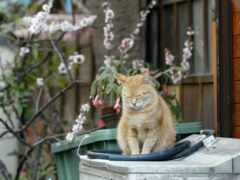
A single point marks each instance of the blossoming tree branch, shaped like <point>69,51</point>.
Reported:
<point>26,86</point>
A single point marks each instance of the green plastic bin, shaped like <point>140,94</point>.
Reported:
<point>65,152</point>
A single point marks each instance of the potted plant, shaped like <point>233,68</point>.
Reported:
<point>105,90</point>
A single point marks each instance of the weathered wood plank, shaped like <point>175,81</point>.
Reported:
<point>208,107</point>
<point>191,102</point>
<point>236,131</point>
<point>236,46</point>
<point>236,92</point>
<point>236,5</point>
<point>236,23</point>
<point>236,114</point>
<point>236,69</point>
<point>214,65</point>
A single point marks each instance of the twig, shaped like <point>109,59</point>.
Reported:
<point>15,134</point>
<point>4,78</point>
<point>4,133</point>
<point>41,62</point>
<point>30,68</point>
<point>44,107</point>
<point>42,140</point>
<point>22,162</point>
<point>4,172</point>
<point>56,49</point>
<point>38,99</point>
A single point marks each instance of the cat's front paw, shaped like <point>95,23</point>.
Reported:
<point>145,152</point>
<point>135,153</point>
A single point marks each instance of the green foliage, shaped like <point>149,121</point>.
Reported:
<point>175,106</point>
<point>105,83</point>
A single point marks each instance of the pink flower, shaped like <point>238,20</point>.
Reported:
<point>118,110</point>
<point>126,45</point>
<point>169,58</point>
<point>101,123</point>
<point>117,105</point>
<point>97,102</point>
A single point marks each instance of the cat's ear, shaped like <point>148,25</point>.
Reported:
<point>121,78</point>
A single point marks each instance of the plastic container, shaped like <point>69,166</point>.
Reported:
<point>65,153</point>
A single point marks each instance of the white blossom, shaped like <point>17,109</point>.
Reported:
<point>187,54</point>
<point>109,14</point>
<point>81,119</point>
<point>53,27</point>
<point>176,76</point>
<point>108,60</point>
<point>136,31</point>
<point>185,65</point>
<point>190,32</point>
<point>77,128</point>
<point>46,8</point>
<point>70,136</point>
<point>126,45</point>
<point>84,23</point>
<point>87,21</point>
<point>38,23</point>
<point>40,81</point>
<point>77,58</point>
<point>41,22</point>
<point>107,44</point>
<point>24,51</point>
<point>154,2</point>
<point>66,26</point>
<point>139,25</point>
<point>85,107</point>
<point>169,58</point>
<point>62,68</point>
<point>105,4</point>
<point>3,85</point>
<point>107,29</point>
<point>138,64</point>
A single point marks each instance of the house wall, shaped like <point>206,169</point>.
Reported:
<point>236,67</point>
<point>8,144</point>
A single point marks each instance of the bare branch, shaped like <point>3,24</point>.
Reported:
<point>4,172</point>
<point>4,133</point>
<point>22,162</point>
<point>15,134</point>
<point>44,107</point>
<point>41,62</point>
<point>56,49</point>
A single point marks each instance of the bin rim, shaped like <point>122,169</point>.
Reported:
<point>95,136</point>
<point>110,134</point>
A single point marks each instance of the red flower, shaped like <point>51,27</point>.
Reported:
<point>117,105</point>
<point>97,102</point>
<point>101,123</point>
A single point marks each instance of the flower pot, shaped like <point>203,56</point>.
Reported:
<point>108,117</point>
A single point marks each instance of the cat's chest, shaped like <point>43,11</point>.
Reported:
<point>142,121</point>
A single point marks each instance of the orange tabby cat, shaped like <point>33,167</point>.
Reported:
<point>146,123</point>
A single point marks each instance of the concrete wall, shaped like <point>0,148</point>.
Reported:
<point>8,144</point>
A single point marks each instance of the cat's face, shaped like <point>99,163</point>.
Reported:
<point>137,92</point>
